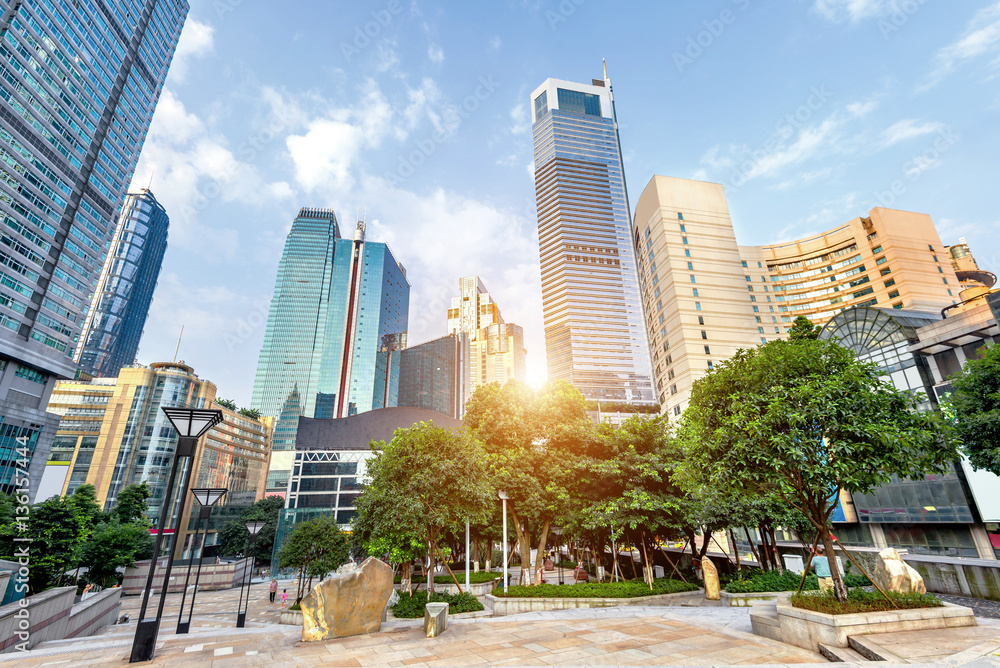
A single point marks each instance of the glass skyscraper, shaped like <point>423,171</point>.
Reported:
<point>118,313</point>
<point>594,333</point>
<point>335,329</point>
<point>79,83</point>
<point>435,375</point>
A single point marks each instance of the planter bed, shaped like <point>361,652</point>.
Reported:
<point>750,599</point>
<point>503,606</point>
<point>808,629</point>
<point>476,589</point>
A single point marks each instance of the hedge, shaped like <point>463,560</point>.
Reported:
<point>859,600</point>
<point>474,578</point>
<point>410,607</point>
<point>766,581</point>
<point>630,589</point>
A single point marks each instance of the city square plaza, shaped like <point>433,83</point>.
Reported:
<point>705,634</point>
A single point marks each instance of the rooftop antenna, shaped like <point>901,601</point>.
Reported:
<point>605,61</point>
<point>177,349</point>
<point>151,180</point>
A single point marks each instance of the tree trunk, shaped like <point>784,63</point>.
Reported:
<point>753,550</point>
<point>430,568</point>
<point>673,565</point>
<point>648,567</point>
<point>524,544</point>
<point>736,550</point>
<point>540,554</point>
<point>838,581</point>
<point>774,552</point>
<point>448,568</point>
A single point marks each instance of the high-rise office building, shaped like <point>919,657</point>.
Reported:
<point>113,433</point>
<point>113,328</point>
<point>435,375</point>
<point>705,297</point>
<point>496,348</point>
<point>79,84</point>
<point>594,333</point>
<point>335,329</point>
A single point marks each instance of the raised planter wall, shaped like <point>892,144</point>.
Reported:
<point>43,617</point>
<point>502,606</point>
<point>978,578</point>
<point>750,599</point>
<point>213,576</point>
<point>94,612</point>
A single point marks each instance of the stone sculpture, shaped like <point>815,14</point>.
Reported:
<point>349,603</point>
<point>894,574</point>
<point>435,619</point>
<point>711,576</point>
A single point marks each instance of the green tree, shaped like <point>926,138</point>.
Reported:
<point>387,527</point>
<point>433,479</point>
<point>55,541</point>
<point>316,547</point>
<point>115,545</point>
<point>227,403</point>
<point>804,420</point>
<point>803,329</point>
<point>251,413</point>
<point>975,406</point>
<point>132,504</point>
<point>234,539</point>
<point>83,501</point>
<point>7,506</point>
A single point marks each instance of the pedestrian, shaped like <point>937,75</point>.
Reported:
<point>284,597</point>
<point>273,589</point>
<point>822,566</point>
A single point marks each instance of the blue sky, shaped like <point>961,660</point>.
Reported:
<point>810,112</point>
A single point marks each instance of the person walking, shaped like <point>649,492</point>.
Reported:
<point>284,597</point>
<point>822,566</point>
<point>273,589</point>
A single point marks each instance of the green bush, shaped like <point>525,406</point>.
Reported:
<point>761,581</point>
<point>630,589</point>
<point>410,607</point>
<point>859,600</point>
<point>474,578</point>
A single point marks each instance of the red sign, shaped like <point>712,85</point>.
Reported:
<point>165,531</point>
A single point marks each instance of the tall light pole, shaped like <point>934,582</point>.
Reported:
<point>253,527</point>
<point>207,498</point>
<point>191,424</point>
<point>503,495</point>
<point>466,555</point>
<point>558,532</point>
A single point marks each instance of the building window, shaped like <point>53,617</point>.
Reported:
<point>683,230</point>
<point>677,410</point>
<point>704,335</point>
<point>756,310</point>
<point>687,253</point>
<point>935,257</point>
<point>893,294</point>
<point>763,340</point>
<point>680,216</point>
<point>760,265</point>
<point>744,263</point>
<point>752,298</point>
<point>772,308</point>
<point>684,240</point>
<point>697,306</point>
<point>690,266</point>
<point>898,305</point>
<point>710,366</point>
<point>940,270</point>
<point>749,280</point>
<point>774,318</point>
<point>930,248</point>
<point>757,318</point>
<point>876,250</point>
<point>670,374</point>
<point>696,292</point>
<point>31,374</point>
<point>673,390</point>
<point>777,330</point>
<point>708,350</point>
<point>749,288</point>
<point>880,260</point>
<point>891,282</point>
<point>949,293</point>
<point>760,329</point>
<point>945,281</point>
<point>886,271</point>
<point>701,318</point>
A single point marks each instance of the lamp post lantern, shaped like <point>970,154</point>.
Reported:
<point>253,527</point>
<point>191,424</point>
<point>207,497</point>
<point>503,495</point>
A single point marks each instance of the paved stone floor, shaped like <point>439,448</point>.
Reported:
<point>611,636</point>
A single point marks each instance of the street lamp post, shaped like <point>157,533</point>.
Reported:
<point>503,495</point>
<point>254,527</point>
<point>558,532</point>
<point>207,498</point>
<point>191,424</point>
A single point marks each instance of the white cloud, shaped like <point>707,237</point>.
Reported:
<point>982,36</point>
<point>861,109</point>
<point>908,128</point>
<point>496,43</point>
<point>196,41</point>
<point>520,119</point>
<point>435,53</point>
<point>852,10</point>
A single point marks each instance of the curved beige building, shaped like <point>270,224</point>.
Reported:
<point>705,297</point>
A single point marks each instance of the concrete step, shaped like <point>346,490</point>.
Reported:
<point>841,654</point>
<point>764,622</point>
<point>872,651</point>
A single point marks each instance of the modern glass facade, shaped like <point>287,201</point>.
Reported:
<point>335,327</point>
<point>435,375</point>
<point>118,312</point>
<point>79,83</point>
<point>594,333</point>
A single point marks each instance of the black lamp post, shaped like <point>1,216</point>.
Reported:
<point>191,424</point>
<point>207,498</point>
<point>558,532</point>
<point>254,527</point>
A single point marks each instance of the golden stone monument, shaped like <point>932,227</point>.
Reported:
<point>349,603</point>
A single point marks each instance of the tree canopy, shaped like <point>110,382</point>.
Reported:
<point>975,406</point>
<point>317,547</point>
<point>234,539</point>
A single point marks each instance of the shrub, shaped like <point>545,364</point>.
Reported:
<point>762,581</point>
<point>631,589</point>
<point>474,578</point>
<point>859,600</point>
<point>410,607</point>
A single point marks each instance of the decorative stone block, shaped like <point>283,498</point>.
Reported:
<point>894,574</point>
<point>711,576</point>
<point>349,603</point>
<point>435,619</point>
